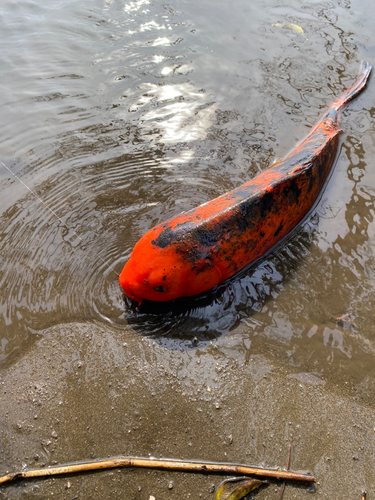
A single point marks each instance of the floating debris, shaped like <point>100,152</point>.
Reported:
<point>291,27</point>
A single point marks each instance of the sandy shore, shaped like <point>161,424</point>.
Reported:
<point>84,392</point>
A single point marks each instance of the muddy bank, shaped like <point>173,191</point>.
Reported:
<point>86,392</point>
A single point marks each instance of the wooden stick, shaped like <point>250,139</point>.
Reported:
<point>364,495</point>
<point>287,468</point>
<point>155,463</point>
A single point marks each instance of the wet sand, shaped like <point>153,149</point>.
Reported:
<point>84,393</point>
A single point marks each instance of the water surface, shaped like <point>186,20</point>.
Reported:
<point>120,115</point>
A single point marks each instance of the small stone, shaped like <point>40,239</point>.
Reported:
<point>170,485</point>
<point>212,488</point>
<point>54,434</point>
<point>68,485</point>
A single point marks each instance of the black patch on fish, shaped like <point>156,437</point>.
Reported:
<point>310,176</point>
<point>165,238</point>
<point>249,210</point>
<point>278,230</point>
<point>292,192</point>
<point>204,236</point>
<point>206,265</point>
<point>195,242</point>
<point>265,203</point>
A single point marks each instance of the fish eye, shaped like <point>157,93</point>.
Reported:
<point>160,288</point>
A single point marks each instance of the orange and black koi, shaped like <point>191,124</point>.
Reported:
<point>199,249</point>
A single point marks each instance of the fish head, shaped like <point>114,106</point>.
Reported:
<point>162,274</point>
<point>154,273</point>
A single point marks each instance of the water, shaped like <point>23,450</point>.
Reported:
<point>120,115</point>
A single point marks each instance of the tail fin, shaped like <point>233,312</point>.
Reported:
<point>356,88</point>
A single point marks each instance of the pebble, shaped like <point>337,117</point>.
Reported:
<point>170,485</point>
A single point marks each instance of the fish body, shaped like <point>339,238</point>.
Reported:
<point>197,250</point>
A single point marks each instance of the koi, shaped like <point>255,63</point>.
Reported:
<point>195,251</point>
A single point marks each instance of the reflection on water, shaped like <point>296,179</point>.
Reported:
<point>121,115</point>
<point>184,114</point>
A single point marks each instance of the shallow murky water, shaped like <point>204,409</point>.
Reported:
<point>119,115</point>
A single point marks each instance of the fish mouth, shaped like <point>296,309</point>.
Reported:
<point>129,292</point>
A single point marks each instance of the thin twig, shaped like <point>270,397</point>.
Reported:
<point>287,468</point>
<point>155,463</point>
